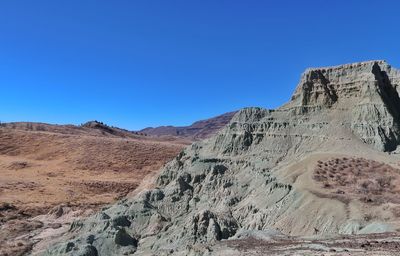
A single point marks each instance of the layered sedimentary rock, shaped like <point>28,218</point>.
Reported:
<point>249,176</point>
<point>365,95</point>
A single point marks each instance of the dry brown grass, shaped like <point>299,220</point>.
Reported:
<point>369,181</point>
<point>77,167</point>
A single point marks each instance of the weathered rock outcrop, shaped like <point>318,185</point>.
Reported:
<point>368,91</point>
<point>242,179</point>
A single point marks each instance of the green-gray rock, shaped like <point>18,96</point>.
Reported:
<point>253,175</point>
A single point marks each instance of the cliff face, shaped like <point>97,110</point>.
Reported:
<point>255,174</point>
<point>327,105</point>
<point>367,93</point>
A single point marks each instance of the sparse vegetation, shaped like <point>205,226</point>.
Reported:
<point>368,180</point>
<point>396,211</point>
<point>68,165</point>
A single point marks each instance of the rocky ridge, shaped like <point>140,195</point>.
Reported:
<point>255,174</point>
<point>198,130</point>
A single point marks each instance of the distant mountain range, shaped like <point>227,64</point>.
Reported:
<point>198,130</point>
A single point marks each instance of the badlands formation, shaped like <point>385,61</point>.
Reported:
<point>319,175</point>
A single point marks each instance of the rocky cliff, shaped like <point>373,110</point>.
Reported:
<point>366,95</point>
<point>257,173</point>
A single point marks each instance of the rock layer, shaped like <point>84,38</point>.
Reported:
<point>252,174</point>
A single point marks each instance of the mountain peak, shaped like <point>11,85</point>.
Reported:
<point>345,85</point>
<point>361,64</point>
<point>360,98</point>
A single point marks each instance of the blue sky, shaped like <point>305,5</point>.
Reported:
<point>144,63</point>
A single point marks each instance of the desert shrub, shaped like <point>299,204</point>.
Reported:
<point>319,178</point>
<point>385,181</point>
<point>7,206</point>
<point>396,211</point>
<point>368,217</point>
<point>365,184</point>
<point>366,199</point>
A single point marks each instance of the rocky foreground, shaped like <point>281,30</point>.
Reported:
<point>272,181</point>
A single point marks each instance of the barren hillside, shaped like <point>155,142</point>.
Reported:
<point>44,166</point>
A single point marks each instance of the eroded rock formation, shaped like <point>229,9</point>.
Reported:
<point>253,174</point>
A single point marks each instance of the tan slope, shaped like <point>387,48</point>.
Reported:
<point>42,166</point>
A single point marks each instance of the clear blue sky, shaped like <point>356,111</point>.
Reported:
<point>147,63</point>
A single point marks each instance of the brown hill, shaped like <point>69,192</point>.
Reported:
<point>93,128</point>
<point>196,131</point>
<point>83,167</point>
